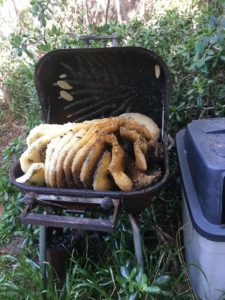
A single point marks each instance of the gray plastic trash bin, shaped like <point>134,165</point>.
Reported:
<point>201,153</point>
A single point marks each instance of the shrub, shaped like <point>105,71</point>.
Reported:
<point>191,43</point>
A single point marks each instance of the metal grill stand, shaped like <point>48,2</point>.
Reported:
<point>42,256</point>
<point>60,204</point>
<point>73,205</point>
<point>137,240</point>
<point>128,75</point>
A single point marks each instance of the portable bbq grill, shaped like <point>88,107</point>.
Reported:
<point>106,82</point>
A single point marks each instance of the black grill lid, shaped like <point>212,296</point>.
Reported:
<point>102,82</point>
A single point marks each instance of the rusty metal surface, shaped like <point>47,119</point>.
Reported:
<point>68,222</point>
<point>60,221</point>
<point>68,199</point>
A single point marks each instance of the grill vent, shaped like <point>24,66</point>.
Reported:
<point>83,84</point>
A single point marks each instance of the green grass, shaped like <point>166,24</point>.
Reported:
<point>108,271</point>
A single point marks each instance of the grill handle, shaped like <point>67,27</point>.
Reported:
<point>69,205</point>
<point>87,38</point>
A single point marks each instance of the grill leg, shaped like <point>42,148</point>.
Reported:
<point>42,258</point>
<point>137,240</point>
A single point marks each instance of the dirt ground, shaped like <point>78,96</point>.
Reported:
<point>9,128</point>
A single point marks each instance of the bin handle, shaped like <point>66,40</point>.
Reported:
<point>87,38</point>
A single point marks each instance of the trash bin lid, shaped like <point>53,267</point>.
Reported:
<point>204,146</point>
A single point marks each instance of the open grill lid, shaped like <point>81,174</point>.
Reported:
<point>74,85</point>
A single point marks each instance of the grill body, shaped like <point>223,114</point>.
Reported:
<point>104,82</point>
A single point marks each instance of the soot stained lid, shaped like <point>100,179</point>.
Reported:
<point>81,84</point>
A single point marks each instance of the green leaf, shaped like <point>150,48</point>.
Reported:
<point>213,21</point>
<point>199,63</point>
<point>54,29</point>
<point>210,81</point>
<point>190,92</point>
<point>209,58</point>
<point>222,58</point>
<point>222,23</point>
<point>19,52</point>
<point>42,19</point>
<point>210,52</point>
<point>163,280</point>
<point>213,39</point>
<point>199,47</point>
<point>167,294</point>
<point>152,289</point>
<point>133,296</point>
<point>192,66</point>
<point>131,288</point>
<point>139,275</point>
<point>133,273</point>
<point>29,53</point>
<point>16,40</point>
<point>144,279</point>
<point>121,280</point>
<point>204,69</point>
<point>124,272</point>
